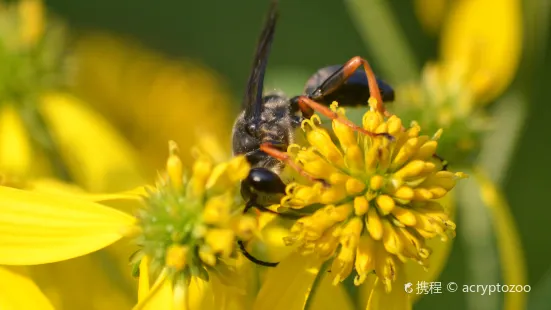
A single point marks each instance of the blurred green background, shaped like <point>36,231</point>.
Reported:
<point>312,34</point>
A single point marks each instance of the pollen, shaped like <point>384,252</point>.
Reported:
<point>190,222</point>
<point>371,202</point>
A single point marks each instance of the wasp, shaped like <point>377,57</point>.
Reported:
<point>266,126</point>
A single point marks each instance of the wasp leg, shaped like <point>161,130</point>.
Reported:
<point>252,258</point>
<point>284,157</point>
<point>306,104</point>
<point>251,204</point>
<point>339,77</point>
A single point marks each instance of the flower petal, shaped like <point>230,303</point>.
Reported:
<point>149,94</point>
<point>56,187</point>
<point>329,296</point>
<point>143,281</point>
<point>397,299</point>
<point>99,158</point>
<point>158,297</point>
<point>19,292</point>
<point>126,201</point>
<point>488,44</point>
<point>198,295</point>
<point>288,285</point>
<point>513,265</point>
<point>38,228</point>
<point>85,283</point>
<point>15,146</point>
<point>225,297</point>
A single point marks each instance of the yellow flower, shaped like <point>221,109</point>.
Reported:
<point>15,147</point>
<point>374,203</point>
<point>35,114</point>
<point>187,227</point>
<point>35,143</point>
<point>146,94</point>
<point>480,49</point>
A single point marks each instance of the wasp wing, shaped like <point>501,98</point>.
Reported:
<point>252,103</point>
<point>354,91</point>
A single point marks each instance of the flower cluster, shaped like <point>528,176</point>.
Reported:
<point>189,224</point>
<point>377,202</point>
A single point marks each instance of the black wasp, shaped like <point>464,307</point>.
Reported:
<point>266,126</point>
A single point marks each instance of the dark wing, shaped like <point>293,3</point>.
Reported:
<point>252,103</point>
<point>354,91</point>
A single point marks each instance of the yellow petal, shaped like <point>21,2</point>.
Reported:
<point>85,283</point>
<point>330,297</point>
<point>159,296</point>
<point>225,297</point>
<point>197,296</point>
<point>485,38</point>
<point>149,94</point>
<point>99,159</point>
<point>397,299</point>
<point>32,16</point>
<point>143,281</point>
<point>18,292</point>
<point>37,228</point>
<point>272,239</point>
<point>288,285</point>
<point>126,201</point>
<point>15,147</point>
<point>513,265</point>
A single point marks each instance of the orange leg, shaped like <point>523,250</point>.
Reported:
<point>352,65</point>
<point>284,157</point>
<point>339,77</point>
<point>307,103</point>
